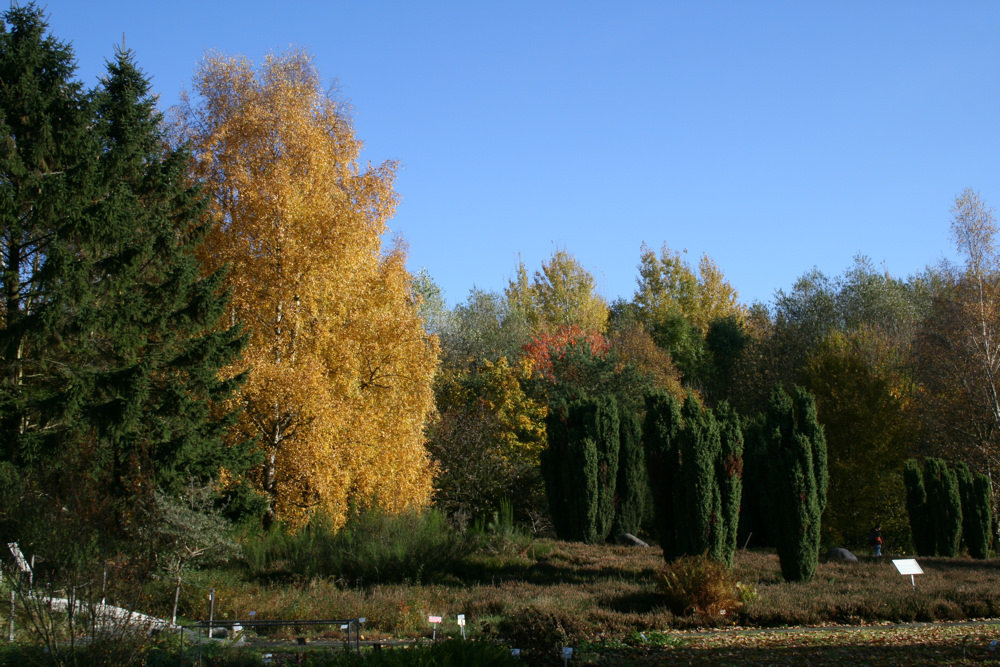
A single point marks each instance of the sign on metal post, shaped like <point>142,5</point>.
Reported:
<point>461,624</point>
<point>434,620</point>
<point>908,566</point>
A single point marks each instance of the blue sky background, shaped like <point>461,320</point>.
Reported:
<point>774,136</point>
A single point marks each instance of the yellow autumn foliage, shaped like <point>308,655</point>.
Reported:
<point>667,286</point>
<point>562,294</point>
<point>340,369</point>
<point>497,389</point>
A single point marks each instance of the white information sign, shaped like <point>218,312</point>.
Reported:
<point>461,619</point>
<point>907,566</point>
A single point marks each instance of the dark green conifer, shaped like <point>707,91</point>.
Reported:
<point>632,479</point>
<point>921,526</point>
<point>660,432</point>
<point>729,474</point>
<point>579,467</point>
<point>796,451</point>
<point>977,516</point>
<point>945,505</point>
<point>608,446</point>
<point>111,341</point>
<point>695,473</point>
<point>700,508</point>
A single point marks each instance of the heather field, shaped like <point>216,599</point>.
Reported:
<point>604,601</point>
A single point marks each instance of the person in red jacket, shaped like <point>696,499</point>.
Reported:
<point>875,540</point>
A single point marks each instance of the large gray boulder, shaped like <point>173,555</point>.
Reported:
<point>841,555</point>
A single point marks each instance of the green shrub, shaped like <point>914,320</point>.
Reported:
<point>695,470</point>
<point>729,474</point>
<point>921,525</point>
<point>632,479</point>
<point>701,586</point>
<point>795,451</point>
<point>945,505</point>
<point>371,547</point>
<point>977,511</point>
<point>580,468</point>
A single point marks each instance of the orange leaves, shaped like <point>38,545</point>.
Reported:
<point>340,368</point>
<point>543,346</point>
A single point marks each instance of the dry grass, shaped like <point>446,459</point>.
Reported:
<point>870,591</point>
<point>560,592</point>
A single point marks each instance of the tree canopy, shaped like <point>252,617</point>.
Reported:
<point>339,364</point>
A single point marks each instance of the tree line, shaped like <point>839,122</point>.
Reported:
<point>199,315</point>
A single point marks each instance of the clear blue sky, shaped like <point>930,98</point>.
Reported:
<point>774,136</point>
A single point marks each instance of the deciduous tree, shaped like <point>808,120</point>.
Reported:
<point>339,364</point>
<point>562,294</point>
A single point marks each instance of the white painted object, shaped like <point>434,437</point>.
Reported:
<point>908,566</point>
<point>22,564</point>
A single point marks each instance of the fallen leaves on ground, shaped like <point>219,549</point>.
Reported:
<point>931,644</point>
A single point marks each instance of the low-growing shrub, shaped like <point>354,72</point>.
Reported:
<point>698,585</point>
<point>540,633</point>
<point>372,547</point>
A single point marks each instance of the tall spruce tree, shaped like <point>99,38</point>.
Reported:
<point>796,452</point>
<point>110,338</point>
<point>700,507</point>
<point>608,446</point>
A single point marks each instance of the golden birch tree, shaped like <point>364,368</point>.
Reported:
<point>562,294</point>
<point>340,368</point>
<point>667,286</point>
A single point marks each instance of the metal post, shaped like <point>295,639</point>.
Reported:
<point>12,615</point>
<point>104,584</point>
<point>211,609</point>
<point>177,597</point>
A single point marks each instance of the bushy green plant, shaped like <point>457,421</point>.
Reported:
<point>371,547</point>
<point>945,505</point>
<point>580,468</point>
<point>699,585</point>
<point>695,471</point>
<point>977,511</point>
<point>633,481</point>
<point>795,451</point>
<point>729,474</point>
<point>921,525</point>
